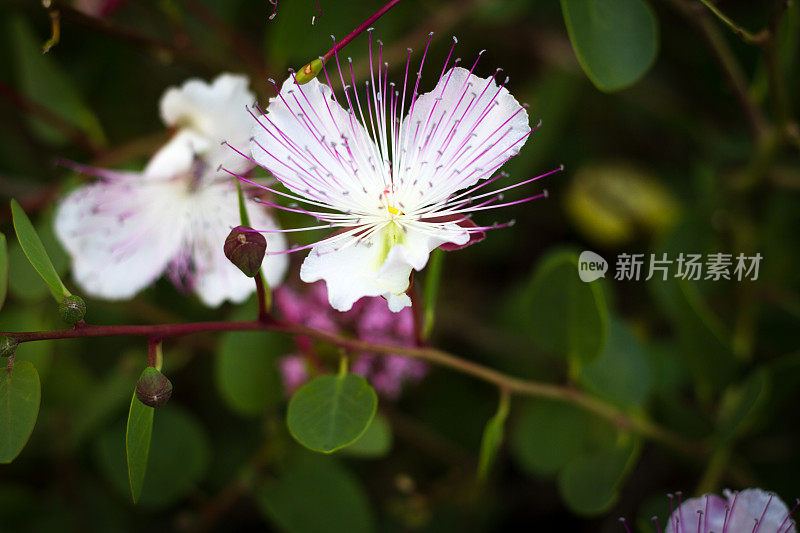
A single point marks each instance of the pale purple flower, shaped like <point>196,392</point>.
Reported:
<point>369,320</point>
<point>747,511</point>
<point>294,372</point>
<point>395,183</point>
<point>128,228</point>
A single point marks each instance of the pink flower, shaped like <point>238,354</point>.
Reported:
<point>370,320</point>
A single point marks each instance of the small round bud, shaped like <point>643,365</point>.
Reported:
<point>72,309</point>
<point>8,346</point>
<point>245,248</point>
<point>153,388</point>
<point>308,72</point>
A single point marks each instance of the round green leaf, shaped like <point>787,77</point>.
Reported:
<point>246,371</point>
<point>549,434</point>
<point>615,40</point>
<point>589,483</point>
<point>622,372</point>
<point>20,395</point>
<point>375,442</point>
<point>330,412</point>
<point>566,316</point>
<point>315,494</point>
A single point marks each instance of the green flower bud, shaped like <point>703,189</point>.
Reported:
<point>308,72</point>
<point>8,346</point>
<point>72,309</point>
<point>153,388</point>
<point>246,248</point>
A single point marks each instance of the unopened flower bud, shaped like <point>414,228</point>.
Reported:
<point>246,248</point>
<point>308,72</point>
<point>153,388</point>
<point>72,309</point>
<point>8,346</point>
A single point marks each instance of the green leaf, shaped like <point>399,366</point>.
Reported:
<point>589,484</point>
<point>27,285</point>
<point>20,395</point>
<point>137,444</point>
<point>616,41</point>
<point>331,412</point>
<point>35,252</point>
<point>493,436</point>
<point>565,315</point>
<point>432,280</point>
<point>622,373</point>
<point>548,434</point>
<point>375,442</point>
<point>743,405</point>
<point>3,269</point>
<point>179,458</point>
<point>705,343</point>
<point>42,80</point>
<point>246,371</point>
<point>104,399</point>
<point>315,494</point>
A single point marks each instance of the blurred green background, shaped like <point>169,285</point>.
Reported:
<point>697,154</point>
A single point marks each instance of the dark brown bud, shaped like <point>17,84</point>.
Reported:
<point>72,309</point>
<point>246,248</point>
<point>153,388</point>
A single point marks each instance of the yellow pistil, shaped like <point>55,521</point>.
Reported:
<point>394,211</point>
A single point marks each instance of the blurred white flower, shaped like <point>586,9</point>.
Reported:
<point>203,116</point>
<point>127,229</point>
<point>397,185</point>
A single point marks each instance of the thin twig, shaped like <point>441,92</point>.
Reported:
<point>514,385</point>
<point>727,62</point>
<point>750,38</point>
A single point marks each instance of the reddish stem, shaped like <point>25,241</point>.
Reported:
<point>363,26</point>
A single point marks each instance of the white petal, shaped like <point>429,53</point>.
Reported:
<point>177,155</point>
<point>352,271</point>
<point>317,149</point>
<point>686,516</point>
<point>459,133</point>
<point>750,505</point>
<point>121,234</point>
<point>216,279</point>
<point>215,111</point>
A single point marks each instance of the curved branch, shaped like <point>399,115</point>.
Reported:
<point>514,385</point>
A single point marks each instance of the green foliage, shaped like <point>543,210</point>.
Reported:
<point>137,444</point>
<point>616,41</point>
<point>42,80</point>
<point>549,434</point>
<point>565,315</point>
<point>315,494</point>
<point>246,371</point>
<point>330,412</point>
<point>35,252</point>
<point>493,435</point>
<point>590,484</point>
<point>621,374</point>
<point>20,395</point>
<point>375,442</point>
<point>24,281</point>
<point>178,458</point>
<point>3,270</point>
